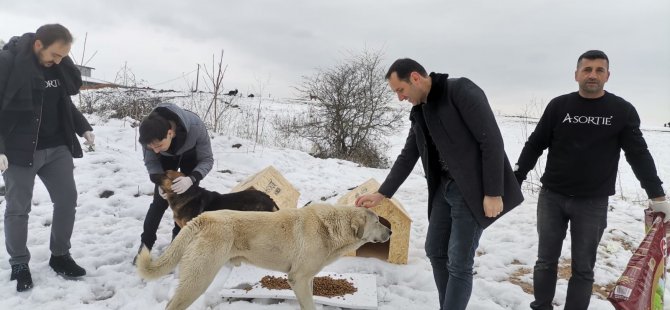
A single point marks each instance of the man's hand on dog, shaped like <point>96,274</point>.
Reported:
<point>162,193</point>
<point>181,184</point>
<point>369,200</point>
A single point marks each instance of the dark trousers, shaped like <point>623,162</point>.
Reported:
<point>452,238</point>
<point>184,163</point>
<point>588,219</point>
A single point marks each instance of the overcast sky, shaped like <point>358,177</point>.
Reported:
<point>520,52</point>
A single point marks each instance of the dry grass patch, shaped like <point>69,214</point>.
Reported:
<point>625,244</point>
<point>516,276</point>
<point>564,272</point>
<point>600,291</point>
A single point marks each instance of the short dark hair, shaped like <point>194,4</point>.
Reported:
<point>50,33</point>
<point>593,54</point>
<point>403,67</point>
<point>154,127</point>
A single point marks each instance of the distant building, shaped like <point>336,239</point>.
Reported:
<point>89,82</point>
<point>85,71</point>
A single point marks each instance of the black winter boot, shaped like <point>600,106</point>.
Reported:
<point>66,267</point>
<point>21,273</point>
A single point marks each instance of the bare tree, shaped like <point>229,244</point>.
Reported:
<point>125,77</point>
<point>352,111</point>
<point>261,88</point>
<point>215,78</point>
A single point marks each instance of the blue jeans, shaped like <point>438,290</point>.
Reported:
<point>453,236</point>
<point>588,219</point>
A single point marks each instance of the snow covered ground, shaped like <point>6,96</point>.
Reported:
<point>107,230</point>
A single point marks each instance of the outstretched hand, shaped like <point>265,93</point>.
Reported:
<point>369,200</point>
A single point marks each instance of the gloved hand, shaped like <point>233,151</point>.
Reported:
<point>162,193</point>
<point>3,162</point>
<point>181,184</point>
<point>90,138</point>
<point>661,206</point>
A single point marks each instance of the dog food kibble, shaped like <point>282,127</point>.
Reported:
<point>323,286</point>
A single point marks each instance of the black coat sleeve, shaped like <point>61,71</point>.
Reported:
<point>402,167</point>
<point>81,125</point>
<point>538,141</point>
<point>638,156</point>
<point>5,69</point>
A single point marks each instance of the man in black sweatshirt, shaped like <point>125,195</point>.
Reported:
<point>585,132</point>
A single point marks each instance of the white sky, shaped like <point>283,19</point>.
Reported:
<point>519,52</point>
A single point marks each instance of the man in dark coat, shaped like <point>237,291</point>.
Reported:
<point>38,123</point>
<point>470,180</point>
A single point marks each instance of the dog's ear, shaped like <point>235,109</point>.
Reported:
<point>166,183</point>
<point>358,225</point>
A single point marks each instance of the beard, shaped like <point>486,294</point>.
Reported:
<point>591,87</point>
<point>41,57</point>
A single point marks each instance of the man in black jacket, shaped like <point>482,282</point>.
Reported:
<point>38,122</point>
<point>585,132</point>
<point>470,180</point>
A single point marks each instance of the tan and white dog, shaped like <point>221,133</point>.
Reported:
<point>299,242</point>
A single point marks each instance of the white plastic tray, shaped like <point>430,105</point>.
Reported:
<point>247,275</point>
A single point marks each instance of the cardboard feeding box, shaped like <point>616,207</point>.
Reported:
<point>392,214</point>
<point>271,182</point>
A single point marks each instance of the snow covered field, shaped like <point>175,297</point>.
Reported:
<point>107,230</point>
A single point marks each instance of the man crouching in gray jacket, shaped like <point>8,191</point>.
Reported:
<point>174,139</point>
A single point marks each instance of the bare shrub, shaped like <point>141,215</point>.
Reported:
<point>119,102</point>
<point>351,113</point>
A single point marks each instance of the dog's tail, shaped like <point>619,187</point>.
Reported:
<point>152,269</point>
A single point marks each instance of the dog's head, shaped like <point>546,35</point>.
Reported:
<point>166,180</point>
<point>368,228</point>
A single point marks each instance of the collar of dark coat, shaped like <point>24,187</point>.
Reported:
<point>26,68</point>
<point>438,90</point>
<point>438,87</point>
